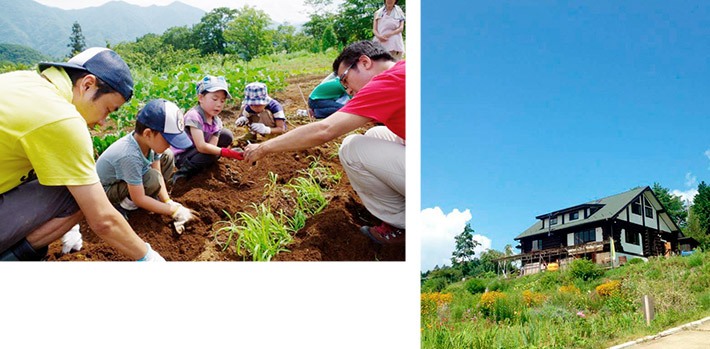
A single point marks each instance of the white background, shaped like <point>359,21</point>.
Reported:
<point>224,305</point>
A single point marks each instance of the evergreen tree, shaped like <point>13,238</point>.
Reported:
<point>76,40</point>
<point>701,209</point>
<point>672,203</point>
<point>464,254</point>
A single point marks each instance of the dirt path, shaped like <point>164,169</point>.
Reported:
<point>233,186</point>
<point>692,337</point>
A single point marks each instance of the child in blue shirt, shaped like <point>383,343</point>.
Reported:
<point>261,113</point>
<point>132,171</point>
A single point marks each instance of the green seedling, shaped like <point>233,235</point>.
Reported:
<point>271,184</point>
<point>260,236</point>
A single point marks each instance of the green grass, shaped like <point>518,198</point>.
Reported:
<point>261,235</point>
<point>680,292</point>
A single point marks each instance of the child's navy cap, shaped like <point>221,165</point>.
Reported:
<point>106,64</point>
<point>164,116</point>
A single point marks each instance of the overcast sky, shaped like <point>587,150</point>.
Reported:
<point>292,11</point>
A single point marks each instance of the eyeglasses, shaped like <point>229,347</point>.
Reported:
<point>344,82</point>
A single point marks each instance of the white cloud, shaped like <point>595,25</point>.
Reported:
<point>691,180</point>
<point>686,196</point>
<point>439,231</point>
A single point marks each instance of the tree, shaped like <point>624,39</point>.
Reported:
<point>329,40</point>
<point>356,18</point>
<point>701,209</point>
<point>248,33</point>
<point>672,203</point>
<point>209,33</point>
<point>464,253</point>
<point>76,40</point>
<point>180,38</point>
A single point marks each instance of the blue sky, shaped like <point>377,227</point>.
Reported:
<point>533,106</point>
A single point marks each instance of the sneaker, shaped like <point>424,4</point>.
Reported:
<point>384,234</point>
<point>127,204</point>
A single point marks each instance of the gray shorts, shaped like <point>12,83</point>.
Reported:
<point>28,206</point>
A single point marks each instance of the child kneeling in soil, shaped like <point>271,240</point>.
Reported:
<point>132,170</point>
<point>204,127</point>
<point>261,113</point>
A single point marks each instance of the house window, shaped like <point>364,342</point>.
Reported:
<point>574,215</point>
<point>649,209</point>
<point>553,220</point>
<point>581,237</point>
<point>536,245</point>
<point>632,237</point>
<point>636,206</point>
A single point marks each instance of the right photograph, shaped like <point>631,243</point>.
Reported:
<point>564,174</point>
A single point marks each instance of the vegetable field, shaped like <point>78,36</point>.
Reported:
<point>287,207</point>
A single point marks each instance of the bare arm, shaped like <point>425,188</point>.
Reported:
<point>106,222</point>
<point>137,194</point>
<point>163,193</point>
<point>280,127</point>
<point>307,136</point>
<point>377,33</point>
<point>198,137</point>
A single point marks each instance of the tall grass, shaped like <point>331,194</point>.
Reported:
<point>559,310</point>
<point>261,235</point>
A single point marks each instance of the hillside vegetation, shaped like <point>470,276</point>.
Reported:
<point>582,307</point>
<point>13,54</point>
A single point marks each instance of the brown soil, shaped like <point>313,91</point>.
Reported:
<point>233,186</point>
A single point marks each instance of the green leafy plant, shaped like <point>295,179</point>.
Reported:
<point>271,184</point>
<point>309,195</point>
<point>260,236</point>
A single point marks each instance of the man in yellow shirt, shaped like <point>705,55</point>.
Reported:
<point>48,180</point>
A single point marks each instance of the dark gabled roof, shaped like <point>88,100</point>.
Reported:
<point>611,206</point>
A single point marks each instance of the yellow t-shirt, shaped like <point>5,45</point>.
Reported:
<point>41,129</point>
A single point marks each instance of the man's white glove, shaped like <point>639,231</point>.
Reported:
<point>151,256</point>
<point>260,128</point>
<point>242,120</point>
<point>181,216</point>
<point>71,241</point>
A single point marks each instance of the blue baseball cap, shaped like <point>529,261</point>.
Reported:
<point>213,84</point>
<point>103,62</point>
<point>165,117</point>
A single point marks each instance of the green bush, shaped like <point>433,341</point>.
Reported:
<point>475,286</point>
<point>695,260</point>
<point>635,261</point>
<point>585,269</point>
<point>434,285</point>
<point>497,285</point>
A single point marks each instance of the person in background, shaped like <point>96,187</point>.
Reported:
<point>388,27</point>
<point>133,170</point>
<point>375,161</point>
<point>327,97</point>
<point>48,179</point>
<point>204,128</point>
<point>260,113</point>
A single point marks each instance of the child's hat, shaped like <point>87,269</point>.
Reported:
<point>106,64</point>
<point>212,84</point>
<point>165,117</point>
<point>256,93</point>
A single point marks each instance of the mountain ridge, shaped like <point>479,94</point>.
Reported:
<point>112,22</point>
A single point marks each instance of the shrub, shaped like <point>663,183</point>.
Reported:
<point>497,285</point>
<point>695,260</point>
<point>434,285</point>
<point>475,286</point>
<point>635,261</point>
<point>532,299</point>
<point>609,288</point>
<point>489,299</point>
<point>584,269</point>
<point>569,289</point>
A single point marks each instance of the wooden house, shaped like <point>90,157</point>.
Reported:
<point>636,221</point>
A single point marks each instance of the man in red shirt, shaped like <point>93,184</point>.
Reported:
<point>375,161</point>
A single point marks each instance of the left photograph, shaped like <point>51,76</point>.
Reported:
<point>146,131</point>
